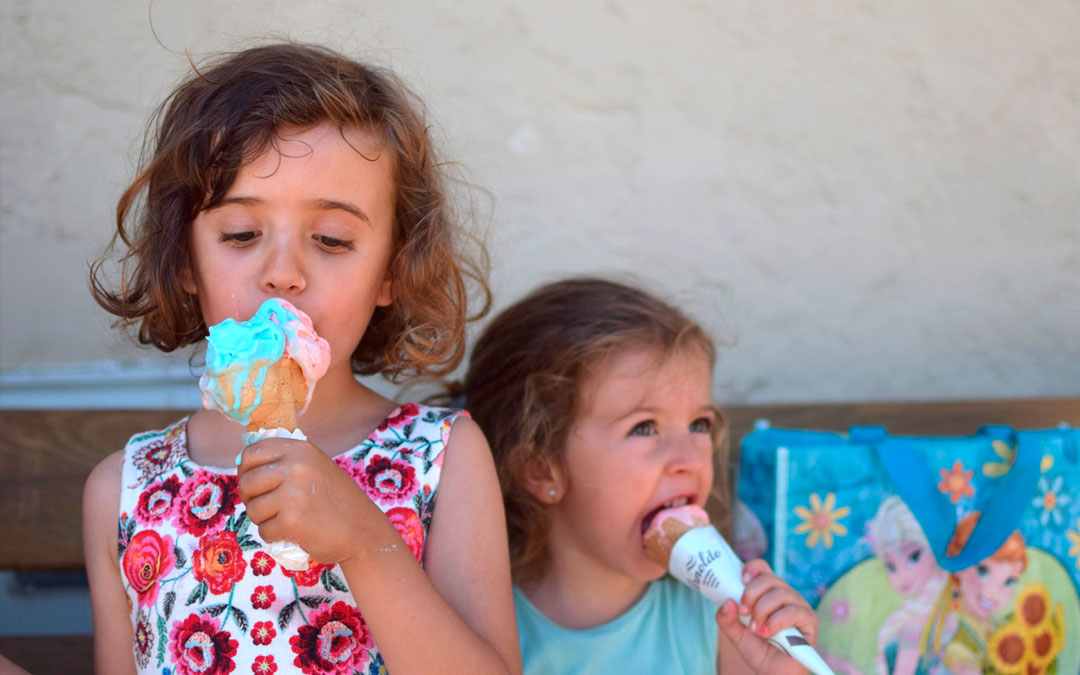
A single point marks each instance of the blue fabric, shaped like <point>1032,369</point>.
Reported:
<point>671,629</point>
<point>861,469</point>
<point>839,516</point>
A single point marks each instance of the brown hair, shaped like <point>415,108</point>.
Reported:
<point>226,114</point>
<point>524,379</point>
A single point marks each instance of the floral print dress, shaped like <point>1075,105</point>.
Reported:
<point>206,599</point>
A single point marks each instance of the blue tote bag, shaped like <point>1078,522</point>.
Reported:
<point>923,554</point>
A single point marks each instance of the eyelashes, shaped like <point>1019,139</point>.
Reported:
<point>247,237</point>
<point>702,425</point>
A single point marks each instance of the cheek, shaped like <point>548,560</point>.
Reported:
<point>926,564</point>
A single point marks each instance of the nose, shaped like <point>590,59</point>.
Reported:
<point>285,269</point>
<point>688,453</point>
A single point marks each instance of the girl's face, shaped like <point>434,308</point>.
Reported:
<point>641,441</point>
<point>986,587</point>
<point>909,566</point>
<point>310,221</point>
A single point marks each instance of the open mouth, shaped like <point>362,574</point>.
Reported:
<point>678,501</point>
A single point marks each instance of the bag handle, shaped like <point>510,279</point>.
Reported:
<point>917,486</point>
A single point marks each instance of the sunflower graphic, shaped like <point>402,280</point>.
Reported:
<point>1031,638</point>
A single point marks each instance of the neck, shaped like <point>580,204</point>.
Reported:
<point>578,596</point>
<point>342,412</point>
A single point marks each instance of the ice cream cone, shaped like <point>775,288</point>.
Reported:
<point>284,393</point>
<point>693,551</point>
<point>666,528</point>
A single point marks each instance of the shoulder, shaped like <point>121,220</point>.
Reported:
<point>104,479</point>
<point>101,504</point>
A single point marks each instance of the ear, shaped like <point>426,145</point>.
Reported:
<point>187,280</point>
<point>386,293</point>
<point>546,480</point>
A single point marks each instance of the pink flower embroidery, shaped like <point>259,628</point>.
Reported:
<point>387,481</point>
<point>200,648</point>
<point>336,641</point>
<point>148,557</point>
<point>407,523</point>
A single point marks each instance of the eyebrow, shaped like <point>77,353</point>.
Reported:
<point>647,410</point>
<point>320,204</point>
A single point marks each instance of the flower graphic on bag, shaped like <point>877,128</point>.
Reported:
<point>821,520</point>
<point>1050,501</point>
<point>956,482</point>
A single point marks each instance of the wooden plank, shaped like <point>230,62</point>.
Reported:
<point>46,654</point>
<point>45,456</point>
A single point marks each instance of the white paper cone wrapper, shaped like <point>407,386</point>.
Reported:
<point>702,560</point>
<point>288,554</point>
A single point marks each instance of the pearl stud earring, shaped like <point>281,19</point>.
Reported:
<point>552,492</point>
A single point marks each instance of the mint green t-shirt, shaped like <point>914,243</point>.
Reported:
<point>671,629</point>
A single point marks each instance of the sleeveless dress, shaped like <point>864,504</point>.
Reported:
<point>206,599</point>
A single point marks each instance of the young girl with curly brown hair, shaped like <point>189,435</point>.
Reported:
<point>290,171</point>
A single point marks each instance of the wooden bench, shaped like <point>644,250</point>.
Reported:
<point>45,456</point>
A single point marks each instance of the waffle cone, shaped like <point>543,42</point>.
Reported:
<point>666,529</point>
<point>284,392</point>
<point>660,541</point>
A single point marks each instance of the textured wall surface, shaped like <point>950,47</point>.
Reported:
<point>868,200</point>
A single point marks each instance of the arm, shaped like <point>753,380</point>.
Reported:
<point>467,558</point>
<point>463,597</point>
<point>113,638</point>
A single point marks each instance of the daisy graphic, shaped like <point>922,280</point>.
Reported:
<point>1051,499</point>
<point>821,520</point>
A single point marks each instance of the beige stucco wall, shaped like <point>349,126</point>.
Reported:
<point>870,199</point>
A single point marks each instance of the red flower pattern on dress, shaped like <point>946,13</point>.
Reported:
<point>386,480</point>
<point>336,641</point>
<point>156,501</point>
<point>204,501</point>
<point>308,577</point>
<point>263,597</point>
<point>263,632</point>
<point>148,557</point>
<point>400,416</point>
<point>262,563</point>
<point>200,647</point>
<point>219,561</point>
<point>189,505</point>
<point>408,525</point>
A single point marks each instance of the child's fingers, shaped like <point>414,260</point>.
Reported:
<point>263,452</point>
<point>727,617</point>
<point>258,481</point>
<point>766,604</point>
<point>755,568</point>
<point>260,511</point>
<point>787,615</point>
<point>758,579</point>
<point>752,651</point>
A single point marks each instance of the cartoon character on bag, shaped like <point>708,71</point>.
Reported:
<point>914,573</point>
<point>970,598</point>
